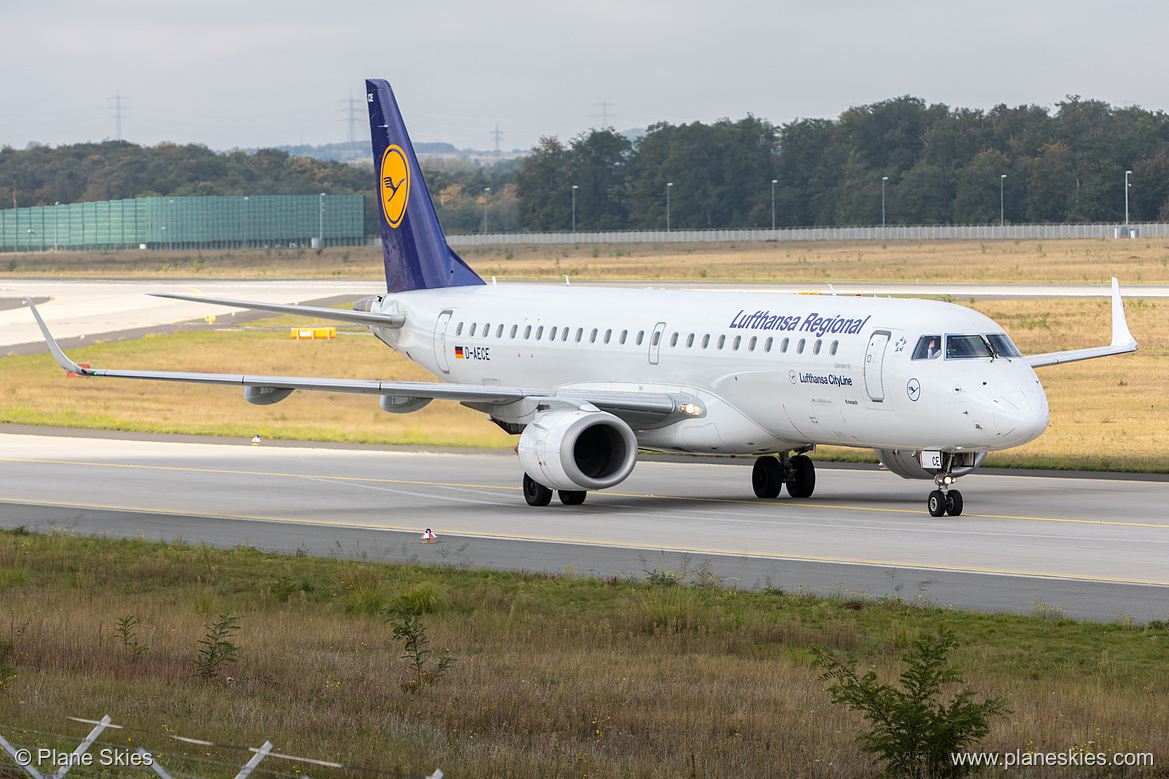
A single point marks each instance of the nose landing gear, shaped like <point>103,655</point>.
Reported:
<point>945,500</point>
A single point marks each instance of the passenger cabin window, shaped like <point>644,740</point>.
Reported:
<point>706,340</point>
<point>539,332</point>
<point>640,337</point>
<point>579,334</point>
<point>674,340</point>
<point>832,349</point>
<point>499,331</point>
<point>928,347</point>
<point>552,335</point>
<point>783,346</point>
<point>459,329</point>
<point>767,344</point>
<point>690,340</point>
<point>564,335</point>
<point>593,336</point>
<point>816,347</point>
<point>656,338</point>
<point>966,347</point>
<point>527,332</point>
<point>608,335</point>
<point>472,330</point>
<point>800,346</point>
<point>737,341</point>
<point>624,335</point>
<point>514,329</point>
<point>722,339</point>
<point>751,344</point>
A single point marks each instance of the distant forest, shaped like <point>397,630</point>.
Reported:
<point>943,166</point>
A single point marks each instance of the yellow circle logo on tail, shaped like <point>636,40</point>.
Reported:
<point>394,175</point>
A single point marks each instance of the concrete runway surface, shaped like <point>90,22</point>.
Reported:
<point>1093,545</point>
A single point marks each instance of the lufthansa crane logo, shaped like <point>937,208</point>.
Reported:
<point>395,185</point>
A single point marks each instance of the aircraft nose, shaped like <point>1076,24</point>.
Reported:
<point>1020,416</point>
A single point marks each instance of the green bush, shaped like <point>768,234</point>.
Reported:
<point>913,732</point>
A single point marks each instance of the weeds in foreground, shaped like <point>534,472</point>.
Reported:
<point>125,633</point>
<point>408,628</point>
<point>218,651</point>
<point>913,732</point>
<point>7,663</point>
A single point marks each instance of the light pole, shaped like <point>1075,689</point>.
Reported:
<point>883,180</point>
<point>773,183</point>
<point>486,192</point>
<point>1127,233</point>
<point>669,186</point>
<point>321,222</point>
<point>1002,180</point>
<point>574,188</point>
<point>247,221</point>
<point>56,209</point>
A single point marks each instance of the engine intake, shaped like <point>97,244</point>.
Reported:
<point>578,450</point>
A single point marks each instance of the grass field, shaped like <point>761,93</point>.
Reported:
<point>676,674</point>
<point>1068,261</point>
<point>1109,414</point>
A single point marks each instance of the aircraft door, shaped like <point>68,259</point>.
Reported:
<point>874,365</point>
<point>655,342</point>
<point>440,341</point>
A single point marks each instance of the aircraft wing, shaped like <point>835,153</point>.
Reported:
<point>1122,340</point>
<point>339,315</point>
<point>622,404</point>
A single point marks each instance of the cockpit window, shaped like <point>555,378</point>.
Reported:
<point>1002,344</point>
<point>964,347</point>
<point>928,347</point>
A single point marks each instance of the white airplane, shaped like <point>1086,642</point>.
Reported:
<point>587,376</point>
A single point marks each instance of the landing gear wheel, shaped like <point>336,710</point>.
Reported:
<point>937,503</point>
<point>954,503</point>
<point>803,477</point>
<point>572,497</point>
<point>535,493</point>
<point>767,477</point>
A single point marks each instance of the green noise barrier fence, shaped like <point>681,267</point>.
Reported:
<point>187,223</point>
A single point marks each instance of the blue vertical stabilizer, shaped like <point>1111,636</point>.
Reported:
<point>416,251</point>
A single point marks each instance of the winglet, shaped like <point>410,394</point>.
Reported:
<point>1120,334</point>
<point>65,363</point>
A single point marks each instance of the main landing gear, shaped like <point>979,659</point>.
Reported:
<point>770,474</point>
<point>945,500</point>
<point>536,494</point>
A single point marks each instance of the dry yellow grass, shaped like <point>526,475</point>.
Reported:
<point>1068,261</point>
<point>555,676</point>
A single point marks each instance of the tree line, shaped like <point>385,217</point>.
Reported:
<point>901,161</point>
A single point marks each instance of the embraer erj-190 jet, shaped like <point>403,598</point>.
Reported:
<point>586,376</point>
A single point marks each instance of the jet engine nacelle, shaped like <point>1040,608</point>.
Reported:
<point>905,463</point>
<point>577,450</point>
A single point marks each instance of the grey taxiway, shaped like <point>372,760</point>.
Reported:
<point>1087,546</point>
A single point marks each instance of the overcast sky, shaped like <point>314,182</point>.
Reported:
<point>248,73</point>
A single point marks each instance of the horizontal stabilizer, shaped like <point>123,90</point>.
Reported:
<point>336,314</point>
